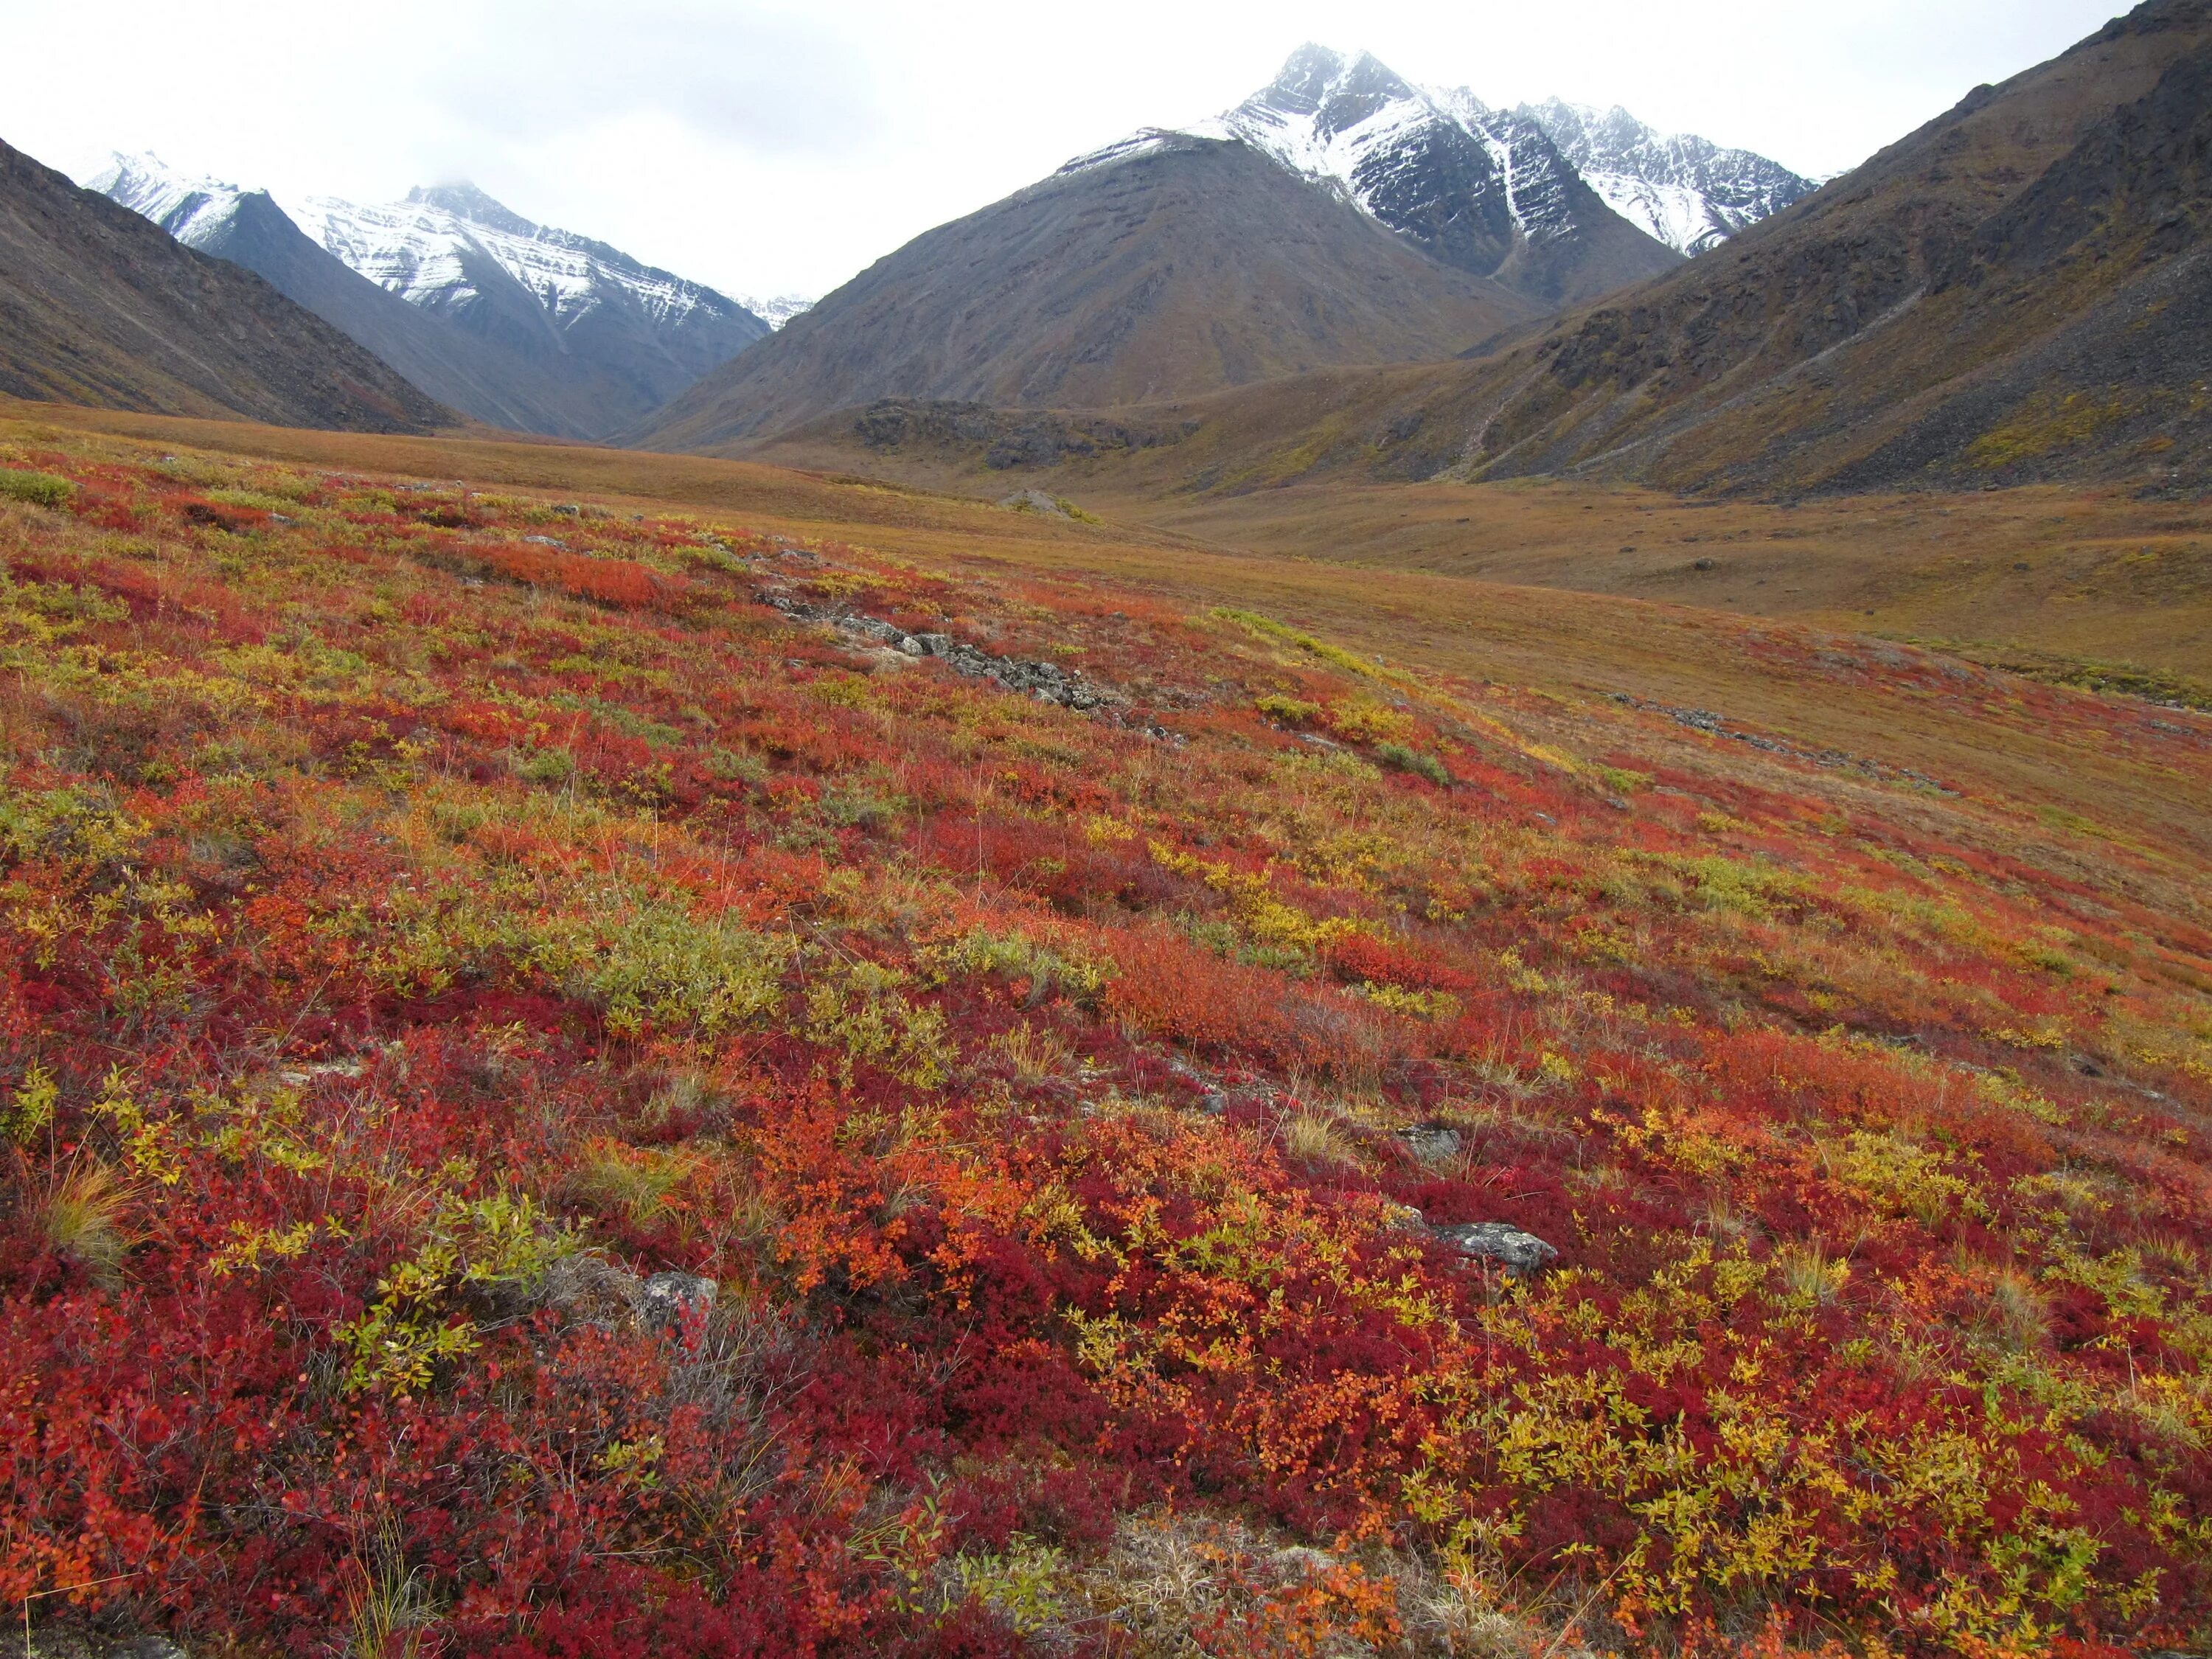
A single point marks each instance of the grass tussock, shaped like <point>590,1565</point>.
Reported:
<point>83,1219</point>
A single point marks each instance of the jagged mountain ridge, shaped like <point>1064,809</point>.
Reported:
<point>535,328</point>
<point>1463,178</point>
<point>1485,190</point>
<point>98,307</point>
<point>2019,293</point>
<point>1689,191</point>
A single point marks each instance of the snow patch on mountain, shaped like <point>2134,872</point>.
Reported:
<point>779,311</point>
<point>192,210</point>
<point>1689,192</point>
<point>424,250</point>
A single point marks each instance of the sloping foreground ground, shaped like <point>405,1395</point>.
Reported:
<point>1070,1044</point>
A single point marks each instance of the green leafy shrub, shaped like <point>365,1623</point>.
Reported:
<point>1399,758</point>
<point>39,488</point>
<point>1291,710</point>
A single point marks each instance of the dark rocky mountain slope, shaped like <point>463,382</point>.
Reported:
<point>99,307</point>
<point>2018,290</point>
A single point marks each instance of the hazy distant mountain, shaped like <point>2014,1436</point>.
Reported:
<point>454,250</point>
<point>99,307</point>
<point>1162,268</point>
<point>1686,191</point>
<point>477,376</point>
<point>527,326</point>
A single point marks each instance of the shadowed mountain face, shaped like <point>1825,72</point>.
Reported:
<point>99,307</point>
<point>1169,266</point>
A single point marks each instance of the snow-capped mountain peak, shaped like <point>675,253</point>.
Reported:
<point>564,334</point>
<point>1430,162</point>
<point>1473,183</point>
<point>464,201</point>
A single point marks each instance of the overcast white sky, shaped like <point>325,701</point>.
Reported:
<point>775,146</point>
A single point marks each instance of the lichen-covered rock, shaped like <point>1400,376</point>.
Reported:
<point>1433,1143</point>
<point>668,1300</point>
<point>1495,1241</point>
<point>590,1290</point>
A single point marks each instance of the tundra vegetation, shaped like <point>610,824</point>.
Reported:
<point>428,913</point>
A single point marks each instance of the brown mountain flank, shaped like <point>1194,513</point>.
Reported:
<point>1192,265</point>
<point>98,307</point>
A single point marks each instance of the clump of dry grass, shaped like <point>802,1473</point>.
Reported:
<point>82,1220</point>
<point>1321,1138</point>
<point>637,1183</point>
<point>1172,1584</point>
<point>388,1607</point>
<point>1460,1611</point>
<point>1036,1055</point>
<point>2015,1313</point>
<point>1810,1274</point>
<point>681,1096</point>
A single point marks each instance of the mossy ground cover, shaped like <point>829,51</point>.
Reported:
<point>420,898</point>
